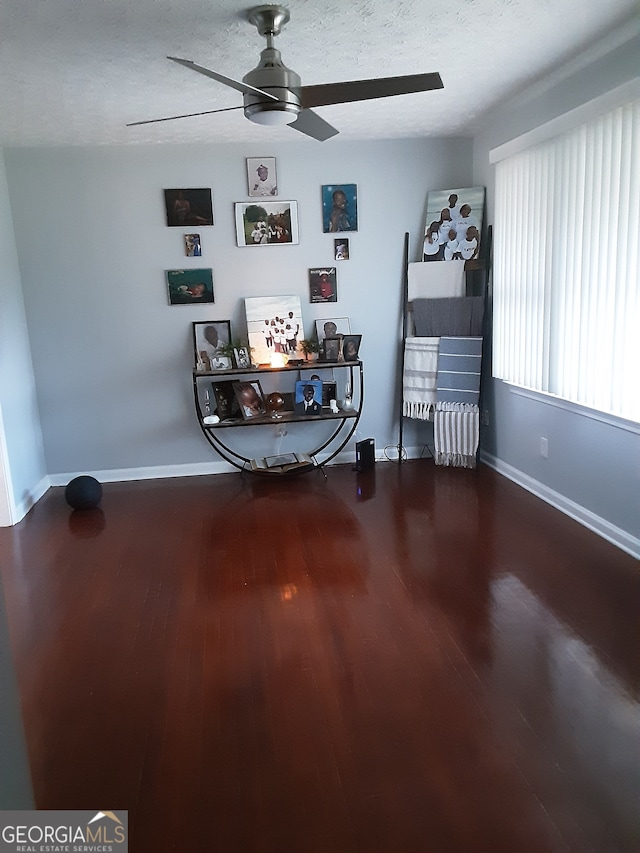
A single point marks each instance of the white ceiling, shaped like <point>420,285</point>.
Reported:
<point>76,71</point>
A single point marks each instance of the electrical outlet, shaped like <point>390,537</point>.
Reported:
<point>544,448</point>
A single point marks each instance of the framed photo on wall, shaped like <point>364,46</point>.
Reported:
<point>261,177</point>
<point>266,223</point>
<point>188,207</point>
<point>192,245</point>
<point>189,287</point>
<point>339,208</point>
<point>341,249</point>
<point>323,285</point>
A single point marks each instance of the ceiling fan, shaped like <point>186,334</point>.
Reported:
<point>274,94</point>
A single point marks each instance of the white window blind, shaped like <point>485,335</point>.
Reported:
<point>566,263</point>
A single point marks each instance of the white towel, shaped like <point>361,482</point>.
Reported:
<point>419,377</point>
<point>435,279</point>
<point>456,432</point>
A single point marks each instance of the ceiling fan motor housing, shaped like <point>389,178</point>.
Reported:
<point>273,76</point>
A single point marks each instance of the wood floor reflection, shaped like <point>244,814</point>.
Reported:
<point>420,660</point>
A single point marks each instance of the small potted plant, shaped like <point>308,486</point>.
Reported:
<point>310,347</point>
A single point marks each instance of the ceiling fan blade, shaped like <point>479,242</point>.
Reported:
<point>235,84</point>
<point>364,90</point>
<point>312,125</point>
<point>188,115</point>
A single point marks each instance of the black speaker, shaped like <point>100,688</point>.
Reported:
<point>365,454</point>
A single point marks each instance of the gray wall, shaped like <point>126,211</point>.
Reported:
<point>593,467</point>
<point>113,360</point>
<point>25,477</point>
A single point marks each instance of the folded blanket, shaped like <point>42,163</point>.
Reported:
<point>459,365</point>
<point>419,377</point>
<point>457,316</point>
<point>456,432</point>
<point>442,278</point>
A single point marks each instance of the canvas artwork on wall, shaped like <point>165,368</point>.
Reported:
<point>266,223</point>
<point>454,224</point>
<point>188,207</point>
<point>189,287</point>
<point>274,326</point>
<point>339,208</point>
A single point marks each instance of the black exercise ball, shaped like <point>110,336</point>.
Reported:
<point>83,492</point>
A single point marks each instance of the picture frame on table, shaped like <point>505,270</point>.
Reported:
<point>241,357</point>
<point>329,392</point>
<point>227,406</point>
<point>351,347</point>
<point>308,397</point>
<point>332,326</point>
<point>331,348</point>
<point>210,337</point>
<point>266,223</point>
<point>262,181</point>
<point>250,399</point>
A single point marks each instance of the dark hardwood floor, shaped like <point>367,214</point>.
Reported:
<point>420,660</point>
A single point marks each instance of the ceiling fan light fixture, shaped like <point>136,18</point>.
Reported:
<point>272,116</point>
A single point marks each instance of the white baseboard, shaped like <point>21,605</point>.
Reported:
<point>601,526</point>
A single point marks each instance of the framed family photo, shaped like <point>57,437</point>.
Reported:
<point>274,327</point>
<point>189,287</point>
<point>267,223</point>
<point>339,208</point>
<point>261,177</point>
<point>453,225</point>
<point>186,207</point>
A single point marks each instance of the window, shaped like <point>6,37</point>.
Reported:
<point>566,264</point>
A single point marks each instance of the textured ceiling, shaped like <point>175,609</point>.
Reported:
<point>76,71</point>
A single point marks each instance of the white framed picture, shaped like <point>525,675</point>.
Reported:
<point>267,223</point>
<point>261,177</point>
<point>331,326</point>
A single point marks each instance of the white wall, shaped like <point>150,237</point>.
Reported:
<point>113,360</point>
<point>22,467</point>
<point>593,468</point>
